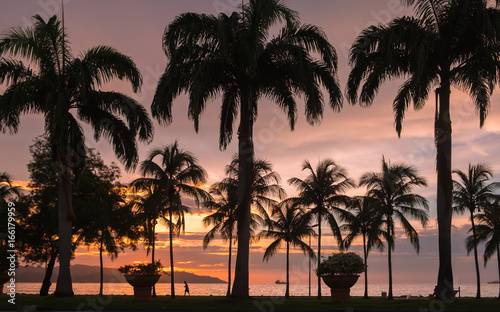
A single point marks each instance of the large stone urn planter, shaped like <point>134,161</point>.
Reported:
<point>143,285</point>
<point>340,286</point>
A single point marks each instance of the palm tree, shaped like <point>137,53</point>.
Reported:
<point>367,221</point>
<point>448,43</point>
<point>233,56</point>
<point>392,188</point>
<point>63,87</point>
<point>7,191</point>
<point>177,173</point>
<point>290,227</point>
<point>321,192</point>
<point>471,193</point>
<point>487,230</point>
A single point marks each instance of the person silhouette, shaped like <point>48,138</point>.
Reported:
<point>186,289</point>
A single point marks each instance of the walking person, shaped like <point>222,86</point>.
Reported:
<point>186,289</point>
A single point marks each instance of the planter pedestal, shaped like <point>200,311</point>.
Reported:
<point>143,285</point>
<point>340,286</point>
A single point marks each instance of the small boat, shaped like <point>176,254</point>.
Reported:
<point>279,282</point>
<point>494,282</point>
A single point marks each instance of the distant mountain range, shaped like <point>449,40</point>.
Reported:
<point>90,274</point>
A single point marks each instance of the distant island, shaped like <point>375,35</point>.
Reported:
<point>90,274</point>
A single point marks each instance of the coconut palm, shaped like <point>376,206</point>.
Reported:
<point>450,43</point>
<point>392,189</point>
<point>487,230</point>
<point>224,203</point>
<point>233,56</point>
<point>168,173</point>
<point>321,192</point>
<point>365,219</point>
<point>470,193</point>
<point>62,87</point>
<point>7,191</point>
<point>289,226</point>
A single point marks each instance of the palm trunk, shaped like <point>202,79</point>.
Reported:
<point>101,264</point>
<point>389,257</point>
<point>478,279</point>
<point>172,282</point>
<point>498,261</point>
<point>287,291</point>
<point>153,252</point>
<point>365,255</point>
<point>44,290</point>
<point>319,255</point>
<point>444,288</point>
<point>64,285</point>
<point>229,266</point>
<point>246,155</point>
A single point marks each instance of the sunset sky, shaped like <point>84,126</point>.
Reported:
<point>355,138</point>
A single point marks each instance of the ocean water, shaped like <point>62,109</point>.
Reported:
<point>162,289</point>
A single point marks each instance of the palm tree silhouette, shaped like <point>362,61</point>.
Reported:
<point>392,189</point>
<point>487,230</point>
<point>471,193</point>
<point>448,43</point>
<point>7,191</point>
<point>233,56</point>
<point>365,219</point>
<point>290,226</point>
<point>321,192</point>
<point>176,173</point>
<point>62,87</point>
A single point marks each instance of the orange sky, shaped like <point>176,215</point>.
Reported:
<point>356,137</point>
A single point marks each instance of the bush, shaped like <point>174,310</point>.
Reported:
<point>142,269</point>
<point>342,263</point>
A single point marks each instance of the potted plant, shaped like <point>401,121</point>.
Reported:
<point>142,276</point>
<point>340,271</point>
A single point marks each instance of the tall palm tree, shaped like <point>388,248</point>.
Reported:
<point>487,230</point>
<point>392,189</point>
<point>321,192</point>
<point>365,219</point>
<point>290,226</point>
<point>176,173</point>
<point>7,191</point>
<point>448,43</point>
<point>63,87</point>
<point>233,56</point>
<point>470,193</point>
<point>224,203</point>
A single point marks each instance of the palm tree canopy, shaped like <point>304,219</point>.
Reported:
<point>235,57</point>
<point>289,225</point>
<point>454,40</point>
<point>471,191</point>
<point>392,188</point>
<point>7,191</point>
<point>323,191</point>
<point>63,87</point>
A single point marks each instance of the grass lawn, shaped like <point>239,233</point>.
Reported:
<point>260,304</point>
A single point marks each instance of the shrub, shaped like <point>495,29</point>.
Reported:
<point>142,268</point>
<point>342,263</point>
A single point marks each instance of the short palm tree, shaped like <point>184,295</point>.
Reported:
<point>172,172</point>
<point>470,193</point>
<point>487,230</point>
<point>235,57</point>
<point>450,43</point>
<point>365,219</point>
<point>62,87</point>
<point>7,191</point>
<point>289,226</point>
<point>321,192</point>
<point>392,189</point>
<point>224,204</point>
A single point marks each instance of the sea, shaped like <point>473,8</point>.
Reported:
<point>267,290</point>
